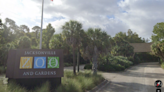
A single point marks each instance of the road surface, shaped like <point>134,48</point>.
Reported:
<point>138,78</point>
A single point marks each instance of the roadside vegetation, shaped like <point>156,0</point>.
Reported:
<point>158,43</point>
<point>93,47</point>
<point>80,46</point>
<point>2,70</point>
<point>81,82</point>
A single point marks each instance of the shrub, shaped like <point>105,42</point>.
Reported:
<point>136,60</point>
<point>13,87</point>
<point>2,70</point>
<point>44,88</point>
<point>81,82</point>
<point>162,65</point>
<point>118,67</point>
<point>78,83</point>
<point>68,64</point>
<point>71,85</point>
<point>106,67</point>
<point>86,83</point>
<point>88,66</point>
<point>130,58</point>
<point>24,42</point>
<point>115,63</point>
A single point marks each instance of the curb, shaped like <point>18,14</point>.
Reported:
<point>98,86</point>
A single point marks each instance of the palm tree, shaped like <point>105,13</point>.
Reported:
<point>71,32</point>
<point>47,35</point>
<point>58,42</point>
<point>98,43</point>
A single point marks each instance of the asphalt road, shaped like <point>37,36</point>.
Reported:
<point>138,78</point>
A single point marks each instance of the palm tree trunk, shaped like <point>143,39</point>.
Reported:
<point>107,60</point>
<point>74,63</point>
<point>78,59</point>
<point>94,64</point>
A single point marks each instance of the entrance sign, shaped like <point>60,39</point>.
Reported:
<point>35,63</point>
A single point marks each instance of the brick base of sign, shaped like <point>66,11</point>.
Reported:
<point>31,83</point>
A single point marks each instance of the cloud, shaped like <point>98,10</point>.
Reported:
<point>112,16</point>
<point>141,15</point>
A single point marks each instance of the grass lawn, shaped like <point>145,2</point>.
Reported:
<point>81,82</point>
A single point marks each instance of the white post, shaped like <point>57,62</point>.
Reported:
<point>41,26</point>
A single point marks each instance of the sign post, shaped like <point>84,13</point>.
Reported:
<point>32,67</point>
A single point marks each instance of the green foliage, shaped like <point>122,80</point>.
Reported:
<point>106,67</point>
<point>34,47</point>
<point>86,84</point>
<point>158,32</point>
<point>162,65</point>
<point>45,87</point>
<point>36,29</point>
<point>4,48</point>
<point>71,33</point>
<point>1,22</point>
<point>46,36</point>
<point>122,48</point>
<point>158,46</point>
<point>88,66</point>
<point>147,57</point>
<point>98,44</point>
<point>58,42</point>
<point>80,83</point>
<point>160,61</point>
<point>68,64</point>
<point>71,85</point>
<point>2,70</point>
<point>34,41</point>
<point>13,87</point>
<point>114,63</point>
<point>136,59</point>
<point>24,42</point>
<point>131,37</point>
<point>158,49</point>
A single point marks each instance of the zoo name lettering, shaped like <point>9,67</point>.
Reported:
<point>39,53</point>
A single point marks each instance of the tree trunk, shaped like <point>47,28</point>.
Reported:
<point>78,59</point>
<point>94,64</point>
<point>134,55</point>
<point>36,35</point>
<point>107,60</point>
<point>74,62</point>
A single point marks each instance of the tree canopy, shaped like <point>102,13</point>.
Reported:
<point>158,32</point>
<point>89,45</point>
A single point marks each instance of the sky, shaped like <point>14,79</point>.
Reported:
<point>112,16</point>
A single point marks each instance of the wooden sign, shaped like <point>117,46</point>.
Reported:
<point>36,63</point>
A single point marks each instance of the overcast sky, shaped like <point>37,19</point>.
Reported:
<point>111,16</point>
